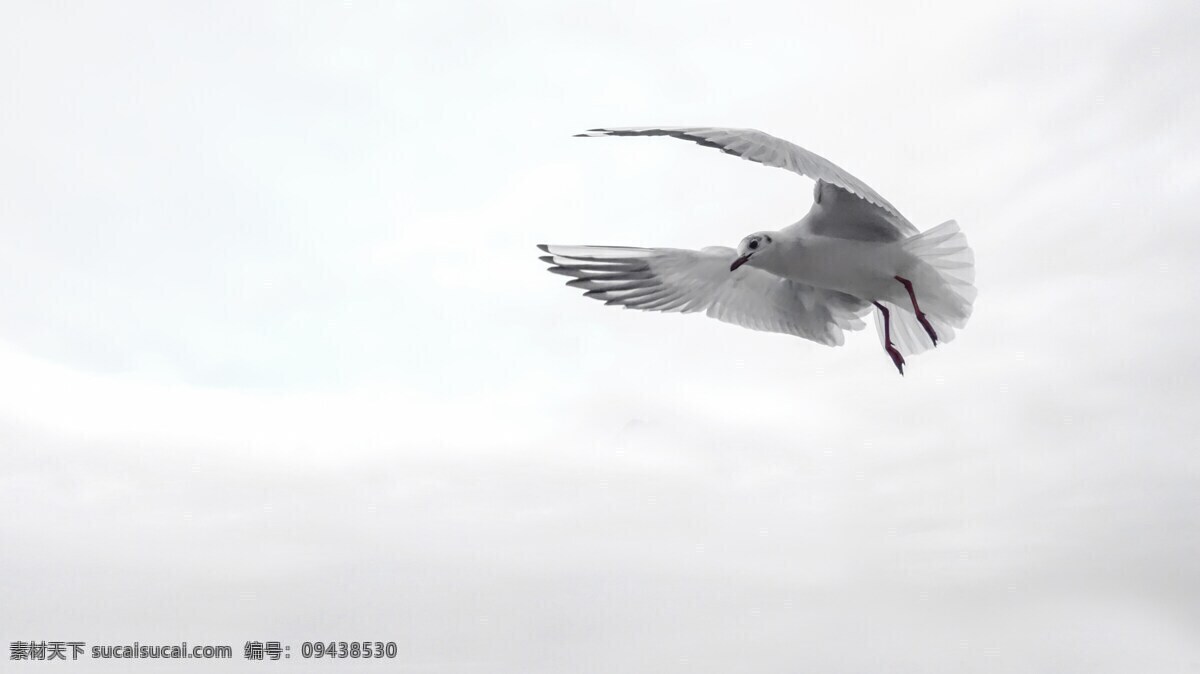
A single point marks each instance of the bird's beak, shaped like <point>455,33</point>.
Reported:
<point>739,262</point>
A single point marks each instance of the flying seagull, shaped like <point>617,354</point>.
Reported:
<point>813,279</point>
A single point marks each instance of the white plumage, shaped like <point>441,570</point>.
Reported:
<point>813,279</point>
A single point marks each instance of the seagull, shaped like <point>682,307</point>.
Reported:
<point>814,279</point>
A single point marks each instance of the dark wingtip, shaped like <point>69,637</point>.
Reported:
<point>548,259</point>
<point>543,247</point>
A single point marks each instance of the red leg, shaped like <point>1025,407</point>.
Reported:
<point>917,308</point>
<point>897,359</point>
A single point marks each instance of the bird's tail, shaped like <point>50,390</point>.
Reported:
<point>943,276</point>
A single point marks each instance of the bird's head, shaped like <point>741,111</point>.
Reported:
<point>755,246</point>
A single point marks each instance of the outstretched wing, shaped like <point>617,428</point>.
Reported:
<point>764,149</point>
<point>671,279</point>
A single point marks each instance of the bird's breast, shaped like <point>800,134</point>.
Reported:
<point>853,267</point>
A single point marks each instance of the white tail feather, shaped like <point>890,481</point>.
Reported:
<point>943,277</point>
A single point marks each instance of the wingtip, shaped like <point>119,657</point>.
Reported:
<point>592,133</point>
<point>543,247</point>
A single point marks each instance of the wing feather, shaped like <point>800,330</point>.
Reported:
<point>670,279</point>
<point>754,145</point>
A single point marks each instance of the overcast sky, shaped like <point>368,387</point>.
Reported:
<point>278,359</point>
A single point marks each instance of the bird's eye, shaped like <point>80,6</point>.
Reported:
<point>753,245</point>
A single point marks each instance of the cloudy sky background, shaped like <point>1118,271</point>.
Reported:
<point>278,360</point>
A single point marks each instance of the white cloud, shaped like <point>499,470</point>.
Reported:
<point>280,362</point>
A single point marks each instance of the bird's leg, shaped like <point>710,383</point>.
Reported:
<point>917,308</point>
<point>887,338</point>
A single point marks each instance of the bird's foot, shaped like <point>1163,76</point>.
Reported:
<point>928,327</point>
<point>897,359</point>
<point>912,296</point>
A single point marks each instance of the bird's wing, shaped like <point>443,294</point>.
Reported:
<point>839,214</point>
<point>764,149</point>
<point>670,279</point>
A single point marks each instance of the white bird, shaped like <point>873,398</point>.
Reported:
<point>813,279</point>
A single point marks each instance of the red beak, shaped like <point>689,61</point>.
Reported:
<point>739,262</point>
